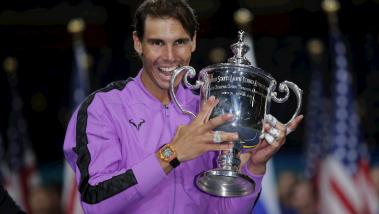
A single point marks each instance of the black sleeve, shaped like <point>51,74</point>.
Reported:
<point>7,204</point>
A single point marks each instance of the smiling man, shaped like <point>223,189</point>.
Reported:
<point>133,151</point>
<point>164,46</point>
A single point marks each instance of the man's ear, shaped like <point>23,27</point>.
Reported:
<point>137,43</point>
<point>193,43</point>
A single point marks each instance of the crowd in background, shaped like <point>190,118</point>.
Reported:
<point>296,194</point>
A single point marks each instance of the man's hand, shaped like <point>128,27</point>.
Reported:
<point>272,139</point>
<point>198,137</point>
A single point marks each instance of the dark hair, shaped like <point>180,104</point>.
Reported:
<point>178,9</point>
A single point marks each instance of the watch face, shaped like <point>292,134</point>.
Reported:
<point>167,152</point>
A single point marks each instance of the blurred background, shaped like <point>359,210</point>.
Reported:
<point>291,39</point>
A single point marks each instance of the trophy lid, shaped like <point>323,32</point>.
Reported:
<point>239,61</point>
<point>239,49</point>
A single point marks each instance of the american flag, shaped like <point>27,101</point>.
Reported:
<point>79,90</point>
<point>345,185</point>
<point>20,174</point>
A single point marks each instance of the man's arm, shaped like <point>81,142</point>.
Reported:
<point>93,149</point>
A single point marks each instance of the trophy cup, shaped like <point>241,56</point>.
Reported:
<point>246,92</point>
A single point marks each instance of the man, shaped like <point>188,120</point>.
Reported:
<point>133,151</point>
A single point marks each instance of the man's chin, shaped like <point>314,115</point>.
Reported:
<point>167,86</point>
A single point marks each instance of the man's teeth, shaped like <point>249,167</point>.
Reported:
<point>168,70</point>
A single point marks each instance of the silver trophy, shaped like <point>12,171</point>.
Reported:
<point>246,92</point>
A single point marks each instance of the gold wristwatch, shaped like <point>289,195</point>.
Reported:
<point>168,154</point>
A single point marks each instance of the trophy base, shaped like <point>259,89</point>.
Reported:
<point>225,183</point>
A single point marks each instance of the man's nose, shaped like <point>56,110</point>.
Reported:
<point>169,53</point>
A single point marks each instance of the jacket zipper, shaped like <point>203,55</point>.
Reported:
<point>167,116</point>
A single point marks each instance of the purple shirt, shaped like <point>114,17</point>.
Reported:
<point>111,143</point>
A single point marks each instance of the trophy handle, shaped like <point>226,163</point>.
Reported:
<point>284,87</point>
<point>190,72</point>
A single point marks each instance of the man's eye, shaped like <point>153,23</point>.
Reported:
<point>181,42</point>
<point>157,43</point>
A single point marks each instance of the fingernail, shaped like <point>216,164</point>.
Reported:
<point>211,99</point>
<point>269,138</point>
<point>262,136</point>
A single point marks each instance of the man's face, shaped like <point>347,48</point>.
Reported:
<point>164,47</point>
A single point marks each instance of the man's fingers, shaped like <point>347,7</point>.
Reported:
<point>274,132</point>
<point>272,135</point>
<point>266,127</point>
<point>292,126</point>
<point>213,105</point>
<point>206,109</point>
<point>220,137</point>
<point>269,139</point>
<point>271,121</point>
<point>217,121</point>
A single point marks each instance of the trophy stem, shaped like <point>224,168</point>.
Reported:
<point>230,160</point>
